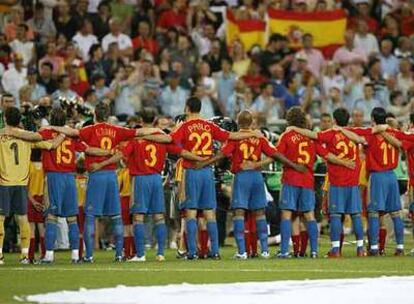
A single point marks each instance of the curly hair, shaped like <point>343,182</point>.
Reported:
<point>296,117</point>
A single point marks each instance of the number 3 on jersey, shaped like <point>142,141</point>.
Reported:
<point>152,160</point>
<point>304,156</point>
<point>202,145</point>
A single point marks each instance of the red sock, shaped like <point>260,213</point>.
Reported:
<point>80,247</point>
<point>341,242</point>
<point>303,242</point>
<point>253,242</point>
<point>127,246</point>
<point>32,249</point>
<point>382,238</point>
<point>133,250</point>
<point>42,246</point>
<point>296,243</point>
<point>247,242</point>
<point>203,239</point>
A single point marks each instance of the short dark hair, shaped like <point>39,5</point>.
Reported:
<point>379,115</point>
<point>58,117</point>
<point>48,64</point>
<point>24,26</point>
<point>341,116</point>
<point>6,95</point>
<point>296,117</point>
<point>193,104</point>
<point>13,116</point>
<point>325,114</point>
<point>102,112</point>
<point>148,115</point>
<point>264,85</point>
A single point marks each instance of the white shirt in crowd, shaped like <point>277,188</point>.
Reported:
<point>123,41</point>
<point>84,43</point>
<point>13,80</point>
<point>368,43</point>
<point>23,48</point>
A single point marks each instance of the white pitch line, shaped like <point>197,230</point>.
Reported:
<point>100,269</point>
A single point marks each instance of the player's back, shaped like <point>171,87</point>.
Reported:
<point>105,136</point>
<point>301,150</point>
<point>36,178</point>
<point>14,161</point>
<point>197,136</point>
<point>250,149</point>
<point>63,158</point>
<point>381,155</point>
<point>343,148</point>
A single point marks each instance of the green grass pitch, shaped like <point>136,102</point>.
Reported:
<point>21,280</point>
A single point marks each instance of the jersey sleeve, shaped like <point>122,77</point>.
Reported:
<point>268,148</point>
<point>45,145</point>
<point>228,148</point>
<point>402,135</point>
<point>86,133</point>
<point>174,149</point>
<point>361,131</point>
<point>177,135</point>
<point>407,145</point>
<point>281,146</point>
<point>320,150</point>
<point>325,136</point>
<point>219,133</point>
<point>46,134</point>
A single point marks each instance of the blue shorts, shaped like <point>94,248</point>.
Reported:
<point>248,191</point>
<point>297,198</point>
<point>384,192</point>
<point>102,194</point>
<point>13,200</point>
<point>200,189</point>
<point>344,199</point>
<point>62,194</point>
<point>148,194</point>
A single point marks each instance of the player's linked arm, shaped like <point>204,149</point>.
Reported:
<point>245,135</point>
<point>305,132</point>
<point>340,161</point>
<point>23,134</point>
<point>287,162</point>
<point>66,130</point>
<point>148,131</point>
<point>99,152</point>
<point>57,141</point>
<point>352,136</point>
<point>190,156</point>
<point>159,138</point>
<point>210,161</point>
<point>112,160</point>
<point>391,140</point>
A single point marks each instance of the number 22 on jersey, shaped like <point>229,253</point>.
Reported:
<point>202,143</point>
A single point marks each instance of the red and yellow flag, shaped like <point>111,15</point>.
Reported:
<point>249,32</point>
<point>327,28</point>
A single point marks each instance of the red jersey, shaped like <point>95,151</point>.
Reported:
<point>105,136</point>
<point>342,147</point>
<point>146,157</point>
<point>250,149</point>
<point>381,155</point>
<point>197,136</point>
<point>408,147</point>
<point>301,150</point>
<point>63,158</point>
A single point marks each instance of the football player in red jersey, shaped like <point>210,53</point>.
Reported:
<point>248,191</point>
<point>382,158</point>
<point>197,135</point>
<point>344,193</point>
<point>102,195</point>
<point>298,188</point>
<point>145,161</point>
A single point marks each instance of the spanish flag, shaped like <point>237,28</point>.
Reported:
<point>249,32</point>
<point>327,28</point>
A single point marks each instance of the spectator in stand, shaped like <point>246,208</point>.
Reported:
<point>364,40</point>
<point>16,17</point>
<point>115,35</point>
<point>363,13</point>
<point>178,68</point>
<point>333,100</point>
<point>122,11</point>
<point>241,99</point>
<point>186,54</point>
<point>143,11</point>
<point>90,99</point>
<point>389,63</point>
<point>254,78</point>
<point>65,22</point>
<point>52,57</point>
<point>267,105</point>
<point>241,61</point>
<point>214,56</point>
<point>390,30</point>
<point>85,38</point>
<point>164,63</point>
<point>207,103</point>
<point>41,23</point>
<point>367,103</point>
<point>78,84</point>
<point>64,91</point>
<point>36,90</point>
<point>144,39</point>
<point>112,62</point>
<point>100,21</point>
<point>15,77</point>
<point>95,64</point>
<point>314,57</point>
<point>349,53</point>
<point>101,90</point>
<point>354,86</point>
<point>22,45</point>
<point>173,96</point>
<point>405,49</point>
<point>174,17</point>
<point>405,82</point>
<point>225,81</point>
<point>272,53</point>
<point>332,78</point>
<point>46,77</point>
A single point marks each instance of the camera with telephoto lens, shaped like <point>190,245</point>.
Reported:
<point>74,106</point>
<point>31,115</point>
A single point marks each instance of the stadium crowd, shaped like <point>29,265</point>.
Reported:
<point>153,55</point>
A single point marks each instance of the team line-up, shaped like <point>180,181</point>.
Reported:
<point>144,151</point>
